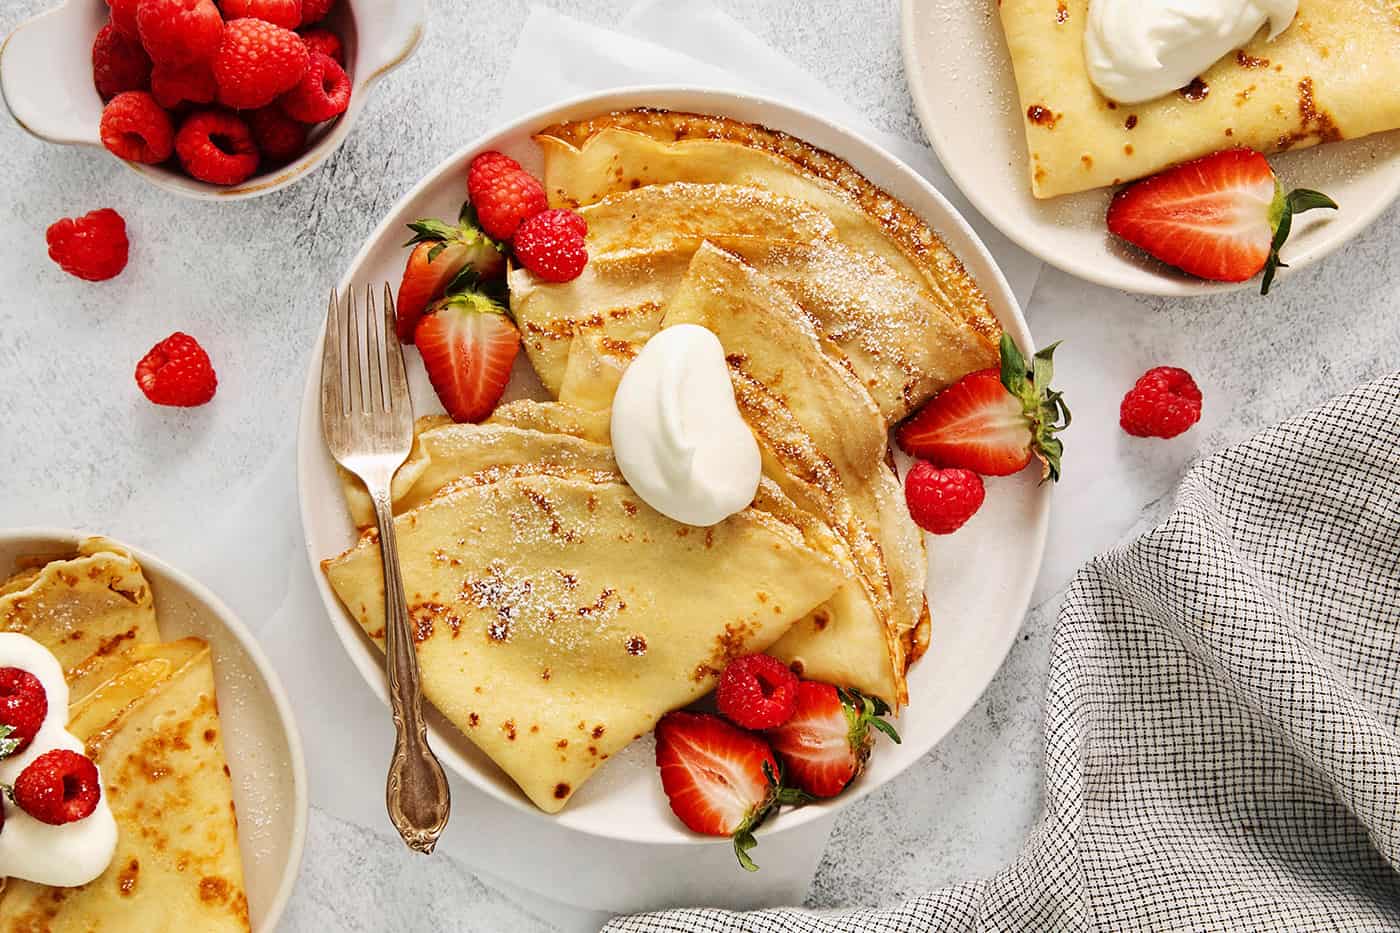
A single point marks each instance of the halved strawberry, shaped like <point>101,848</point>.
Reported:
<point>446,258</point>
<point>1222,217</point>
<point>721,780</point>
<point>826,743</point>
<point>992,421</point>
<point>468,344</point>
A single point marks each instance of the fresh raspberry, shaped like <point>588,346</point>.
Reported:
<point>23,705</point>
<point>757,692</point>
<point>503,193</point>
<point>92,247</point>
<point>284,13</point>
<point>118,63</point>
<point>313,11</point>
<point>173,85</point>
<point>279,137</point>
<point>942,500</point>
<point>216,146</point>
<point>58,787</point>
<point>177,372</point>
<point>1163,403</point>
<point>551,245</point>
<point>135,128</point>
<point>322,94</point>
<point>257,62</point>
<point>124,17</point>
<point>325,42</point>
<point>178,32</point>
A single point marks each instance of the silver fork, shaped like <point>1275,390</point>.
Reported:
<point>367,420</point>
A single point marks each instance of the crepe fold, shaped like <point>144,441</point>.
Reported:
<point>1333,74</point>
<point>557,617</point>
<point>147,713</point>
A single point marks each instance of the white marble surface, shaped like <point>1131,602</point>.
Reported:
<point>81,448</point>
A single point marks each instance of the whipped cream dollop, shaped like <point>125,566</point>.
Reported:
<point>1140,49</point>
<point>61,856</point>
<point>677,433</point>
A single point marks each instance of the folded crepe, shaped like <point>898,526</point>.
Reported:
<point>557,618</point>
<point>151,725</point>
<point>824,443</point>
<point>902,343</point>
<point>587,160</point>
<point>1333,74</point>
<point>86,609</point>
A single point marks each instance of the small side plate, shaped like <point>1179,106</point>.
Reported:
<point>960,77</point>
<point>260,735</point>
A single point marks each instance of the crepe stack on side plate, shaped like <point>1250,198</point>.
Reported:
<point>147,712</point>
<point>557,615</point>
<point>1333,74</point>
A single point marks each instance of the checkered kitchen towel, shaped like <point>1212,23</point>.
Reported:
<point>1223,713</point>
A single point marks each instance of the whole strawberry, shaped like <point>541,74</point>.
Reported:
<point>23,706</point>
<point>720,780</point>
<point>92,247</point>
<point>942,500</point>
<point>257,62</point>
<point>136,128</point>
<point>551,245</point>
<point>1164,402</point>
<point>827,742</point>
<point>445,259</point>
<point>323,93</point>
<point>503,194</point>
<point>178,32</point>
<point>993,421</point>
<point>58,787</point>
<point>177,372</point>
<point>119,63</point>
<point>757,692</point>
<point>468,344</point>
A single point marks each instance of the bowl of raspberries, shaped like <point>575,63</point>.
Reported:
<point>208,98</point>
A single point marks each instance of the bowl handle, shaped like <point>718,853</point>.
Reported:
<point>46,73</point>
<point>388,31</point>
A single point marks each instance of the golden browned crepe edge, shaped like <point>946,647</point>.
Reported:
<point>905,228</point>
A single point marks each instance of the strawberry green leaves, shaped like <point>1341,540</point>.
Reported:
<point>1281,214</point>
<point>1044,407</point>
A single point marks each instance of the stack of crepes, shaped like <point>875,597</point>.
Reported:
<point>556,615</point>
<point>147,713</point>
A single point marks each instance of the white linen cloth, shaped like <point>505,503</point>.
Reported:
<point>1222,745</point>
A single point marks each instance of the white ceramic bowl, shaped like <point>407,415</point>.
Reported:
<point>260,735</point>
<point>981,577</point>
<point>960,77</point>
<point>46,81</point>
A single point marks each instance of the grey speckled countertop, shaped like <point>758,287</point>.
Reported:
<point>238,275</point>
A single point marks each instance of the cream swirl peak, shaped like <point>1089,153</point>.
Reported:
<point>677,433</point>
<point>1138,50</point>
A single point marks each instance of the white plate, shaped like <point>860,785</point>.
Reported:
<point>260,736</point>
<point>981,577</point>
<point>964,92</point>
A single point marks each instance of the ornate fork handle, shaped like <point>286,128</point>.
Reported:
<point>417,793</point>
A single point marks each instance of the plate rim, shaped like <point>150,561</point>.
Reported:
<point>1165,286</point>
<point>71,537</point>
<point>310,445</point>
